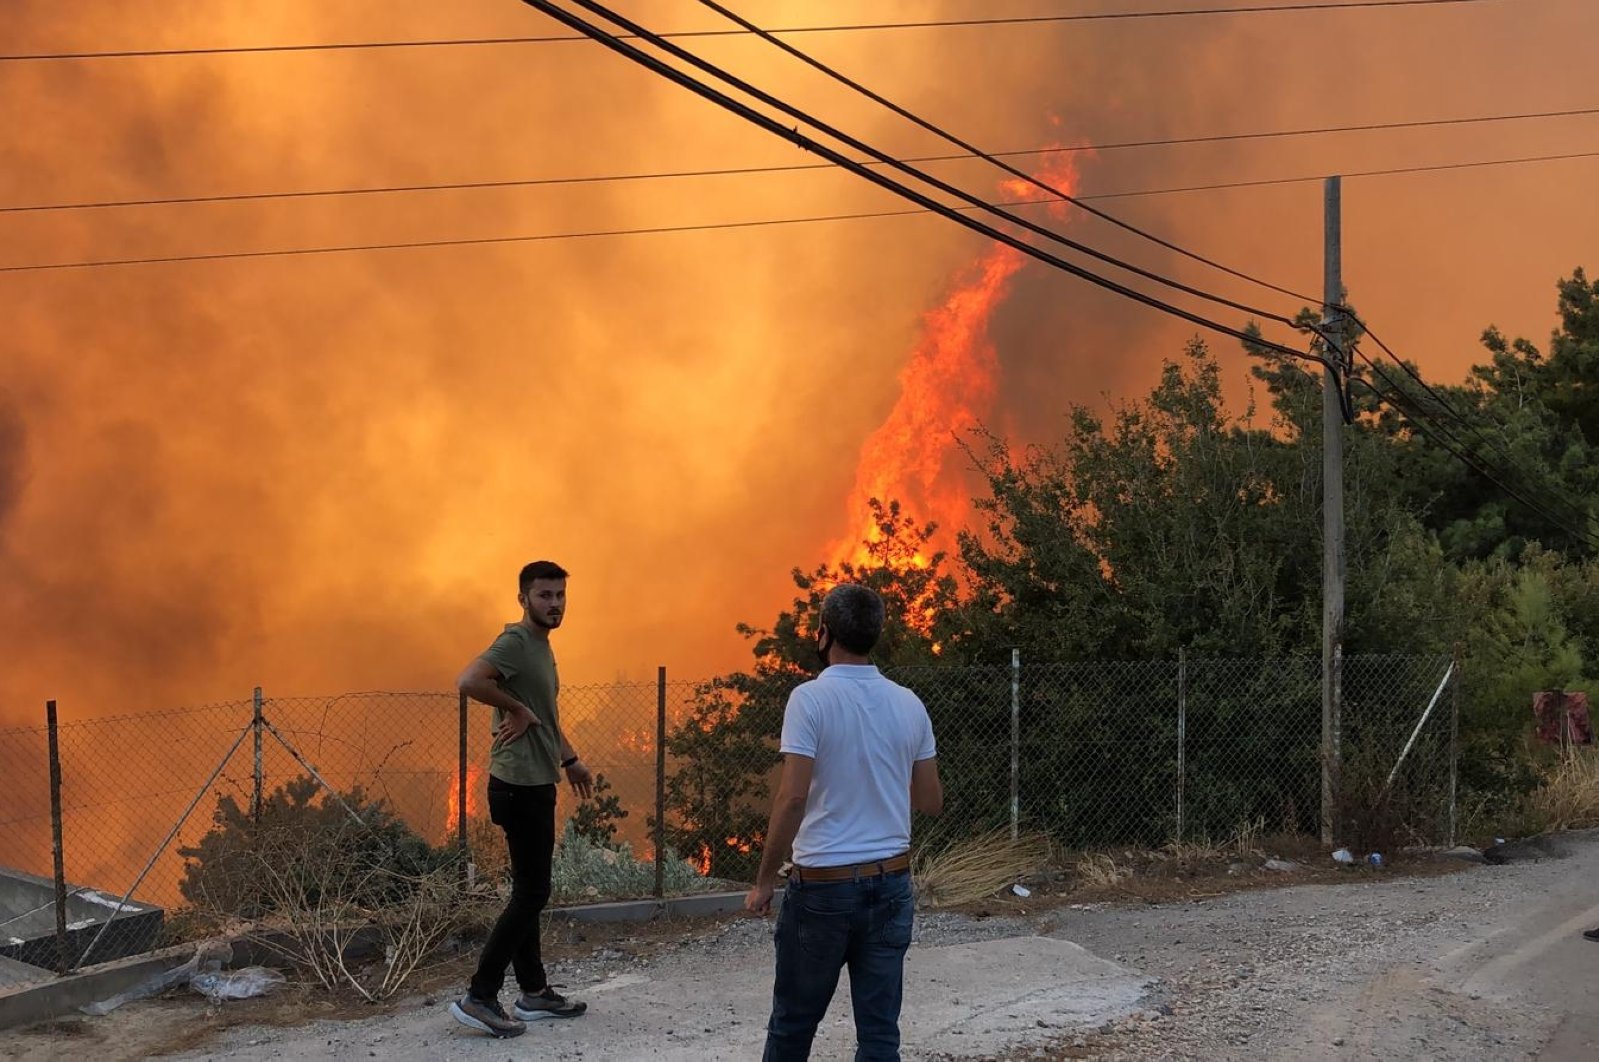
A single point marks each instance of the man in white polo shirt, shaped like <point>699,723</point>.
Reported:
<point>858,755</point>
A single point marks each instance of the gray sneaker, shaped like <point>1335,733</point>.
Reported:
<point>546,1004</point>
<point>486,1017</point>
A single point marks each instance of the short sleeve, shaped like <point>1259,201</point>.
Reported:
<point>799,726</point>
<point>926,748</point>
<point>505,654</point>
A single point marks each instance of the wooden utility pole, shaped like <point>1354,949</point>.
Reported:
<point>1332,512</point>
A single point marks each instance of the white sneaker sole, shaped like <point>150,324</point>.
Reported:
<point>539,1015</point>
<point>481,1026</point>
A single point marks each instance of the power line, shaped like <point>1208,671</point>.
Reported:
<point>1474,462</point>
<point>474,241</point>
<point>739,171</point>
<point>794,136</point>
<point>1497,440</point>
<point>637,31</point>
<point>754,223</point>
<point>1437,396</point>
<point>1391,171</point>
<point>1463,452</point>
<point>976,152</point>
<point>1019,20</point>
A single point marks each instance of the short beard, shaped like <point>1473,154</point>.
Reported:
<point>537,622</point>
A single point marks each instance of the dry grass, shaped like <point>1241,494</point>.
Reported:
<point>1568,799</point>
<point>1243,843</point>
<point>974,869</point>
<point>326,896</point>
<point>1247,839</point>
<point>1100,869</point>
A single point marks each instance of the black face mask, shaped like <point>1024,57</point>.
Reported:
<point>823,649</point>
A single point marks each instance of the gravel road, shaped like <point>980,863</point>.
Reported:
<point>1484,964</point>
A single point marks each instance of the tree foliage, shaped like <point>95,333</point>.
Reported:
<point>596,819</point>
<point>726,747</point>
<point>306,831</point>
<point>1172,524</point>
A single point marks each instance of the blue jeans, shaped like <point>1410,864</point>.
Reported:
<point>864,924</point>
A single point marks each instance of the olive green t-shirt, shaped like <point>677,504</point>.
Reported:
<point>527,672</point>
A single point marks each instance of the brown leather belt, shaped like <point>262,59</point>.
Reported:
<point>812,875</point>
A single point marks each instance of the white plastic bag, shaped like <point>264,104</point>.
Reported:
<point>236,984</point>
<point>209,958</point>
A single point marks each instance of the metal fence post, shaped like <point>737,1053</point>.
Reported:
<point>255,725</point>
<point>460,782</point>
<point>56,851</point>
<point>1015,741</point>
<point>1454,746</point>
<point>1182,733</point>
<point>660,781</point>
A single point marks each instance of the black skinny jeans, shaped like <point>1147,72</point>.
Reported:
<point>527,815</point>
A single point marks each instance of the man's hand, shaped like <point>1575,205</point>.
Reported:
<point>582,779</point>
<point>759,900</point>
<point>514,725</point>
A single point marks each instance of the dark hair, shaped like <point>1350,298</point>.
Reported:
<point>538,570</point>
<point>853,614</point>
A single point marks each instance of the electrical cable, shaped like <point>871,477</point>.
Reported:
<point>794,136</point>
<point>1401,402</point>
<point>1496,441</point>
<point>1441,400</point>
<point>735,171</point>
<point>637,31</point>
<point>647,230</point>
<point>1019,20</point>
<point>976,152</point>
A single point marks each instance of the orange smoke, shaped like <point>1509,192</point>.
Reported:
<point>946,389</point>
<point>320,473</point>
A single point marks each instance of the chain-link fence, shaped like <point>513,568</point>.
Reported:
<point>173,823</point>
<point>126,795</point>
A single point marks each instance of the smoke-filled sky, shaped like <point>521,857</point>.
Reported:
<point>321,472</point>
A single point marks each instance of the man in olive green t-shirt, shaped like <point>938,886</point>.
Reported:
<point>516,677</point>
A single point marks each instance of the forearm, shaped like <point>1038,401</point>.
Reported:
<point>781,829</point>
<point>491,694</point>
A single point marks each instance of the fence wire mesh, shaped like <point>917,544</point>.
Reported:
<point>180,812</point>
<point>126,784</point>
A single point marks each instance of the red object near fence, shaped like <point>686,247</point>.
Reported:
<point>1562,718</point>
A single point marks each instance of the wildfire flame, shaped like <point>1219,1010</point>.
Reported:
<point>702,860</point>
<point>946,389</point>
<point>474,798</point>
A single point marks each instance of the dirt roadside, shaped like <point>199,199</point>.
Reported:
<point>1487,964</point>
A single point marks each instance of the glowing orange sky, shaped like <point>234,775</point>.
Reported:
<point>321,473</point>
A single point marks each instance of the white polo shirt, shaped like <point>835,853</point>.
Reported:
<point>864,732</point>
